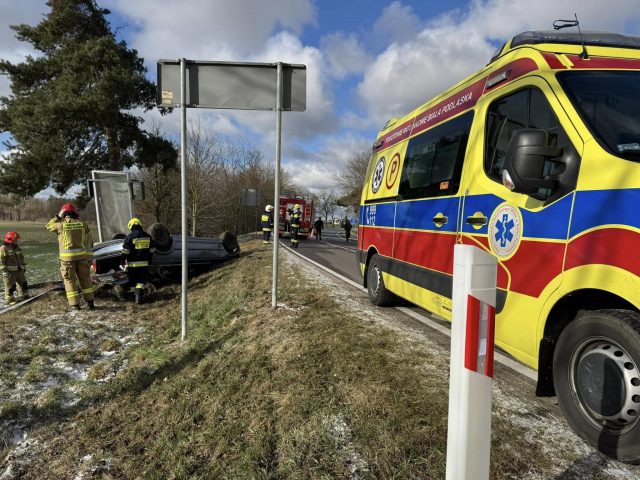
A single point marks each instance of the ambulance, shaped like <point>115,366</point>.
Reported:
<point>536,159</point>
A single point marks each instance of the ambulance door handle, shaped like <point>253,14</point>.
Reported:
<point>477,221</point>
<point>439,220</point>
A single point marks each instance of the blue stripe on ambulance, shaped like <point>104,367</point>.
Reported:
<point>594,208</point>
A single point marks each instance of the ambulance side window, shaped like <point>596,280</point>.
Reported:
<point>433,163</point>
<point>524,109</point>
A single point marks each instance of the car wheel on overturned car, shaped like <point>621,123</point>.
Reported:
<point>230,243</point>
<point>596,371</point>
<point>161,236</point>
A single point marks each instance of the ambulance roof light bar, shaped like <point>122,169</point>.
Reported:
<point>560,24</point>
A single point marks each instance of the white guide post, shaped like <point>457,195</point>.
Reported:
<point>471,369</point>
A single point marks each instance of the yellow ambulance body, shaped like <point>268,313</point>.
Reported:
<point>536,159</point>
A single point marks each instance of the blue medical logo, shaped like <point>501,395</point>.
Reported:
<point>504,227</point>
<point>506,231</point>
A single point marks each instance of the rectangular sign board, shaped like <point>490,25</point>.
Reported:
<point>243,86</point>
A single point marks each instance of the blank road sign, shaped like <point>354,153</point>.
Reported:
<point>244,86</point>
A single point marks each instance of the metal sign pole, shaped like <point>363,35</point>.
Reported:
<point>183,190</point>
<point>276,194</point>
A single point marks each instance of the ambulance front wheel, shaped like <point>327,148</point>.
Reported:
<point>378,293</point>
<point>596,370</point>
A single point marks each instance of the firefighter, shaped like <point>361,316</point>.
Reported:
<point>296,216</point>
<point>267,223</point>
<point>13,269</point>
<point>74,245</point>
<point>137,250</point>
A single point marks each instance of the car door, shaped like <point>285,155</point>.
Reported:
<point>527,233</point>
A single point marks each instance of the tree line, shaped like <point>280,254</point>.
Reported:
<point>72,110</point>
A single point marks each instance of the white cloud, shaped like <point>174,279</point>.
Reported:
<point>345,55</point>
<point>318,171</point>
<point>210,29</point>
<point>398,23</point>
<point>11,49</point>
<point>458,43</point>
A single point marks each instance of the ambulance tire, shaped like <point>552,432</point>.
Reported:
<point>596,373</point>
<point>378,293</point>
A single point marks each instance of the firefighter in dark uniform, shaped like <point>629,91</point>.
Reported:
<point>267,223</point>
<point>137,250</point>
<point>296,218</point>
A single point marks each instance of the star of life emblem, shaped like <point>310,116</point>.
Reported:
<point>378,175</point>
<point>505,231</point>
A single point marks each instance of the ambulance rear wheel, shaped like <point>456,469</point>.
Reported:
<point>596,372</point>
<point>378,293</point>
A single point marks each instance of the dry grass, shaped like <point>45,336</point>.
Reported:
<point>306,391</point>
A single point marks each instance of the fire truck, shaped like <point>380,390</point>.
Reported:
<point>284,215</point>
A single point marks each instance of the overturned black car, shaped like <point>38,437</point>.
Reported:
<point>203,253</point>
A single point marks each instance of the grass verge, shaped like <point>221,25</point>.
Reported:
<point>306,391</point>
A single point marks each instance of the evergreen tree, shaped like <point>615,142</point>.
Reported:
<point>71,107</point>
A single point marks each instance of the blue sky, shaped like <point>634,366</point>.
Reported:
<point>367,60</point>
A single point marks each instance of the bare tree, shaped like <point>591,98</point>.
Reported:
<point>327,204</point>
<point>352,177</point>
<point>159,181</point>
<point>204,166</point>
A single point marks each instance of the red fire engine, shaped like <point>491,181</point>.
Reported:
<point>284,215</point>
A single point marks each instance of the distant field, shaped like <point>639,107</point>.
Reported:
<point>40,249</point>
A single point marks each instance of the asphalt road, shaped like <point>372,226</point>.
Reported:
<point>334,252</point>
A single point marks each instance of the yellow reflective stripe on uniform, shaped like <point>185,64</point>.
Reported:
<point>75,293</point>
<point>72,226</point>
<point>141,243</point>
<point>266,229</point>
<point>138,264</point>
<point>126,251</point>
<point>139,285</point>
<point>265,218</point>
<point>87,290</point>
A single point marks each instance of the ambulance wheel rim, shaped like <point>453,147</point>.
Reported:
<point>606,382</point>
<point>375,288</point>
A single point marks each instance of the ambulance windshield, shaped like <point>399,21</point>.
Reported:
<point>609,104</point>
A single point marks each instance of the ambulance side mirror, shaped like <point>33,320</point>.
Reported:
<point>525,161</point>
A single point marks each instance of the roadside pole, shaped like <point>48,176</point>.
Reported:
<point>471,368</point>
<point>276,193</point>
<point>183,192</point>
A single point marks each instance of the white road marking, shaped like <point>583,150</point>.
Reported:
<point>498,357</point>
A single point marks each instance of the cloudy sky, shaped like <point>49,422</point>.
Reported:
<point>367,60</point>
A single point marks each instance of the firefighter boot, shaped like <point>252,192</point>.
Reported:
<point>91,304</point>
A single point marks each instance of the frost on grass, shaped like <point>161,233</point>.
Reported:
<point>338,429</point>
<point>533,422</point>
<point>46,363</point>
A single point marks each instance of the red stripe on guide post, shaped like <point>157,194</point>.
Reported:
<point>471,337</point>
<point>491,326</point>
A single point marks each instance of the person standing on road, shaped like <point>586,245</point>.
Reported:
<point>347,229</point>
<point>74,245</point>
<point>13,268</point>
<point>296,216</point>
<point>318,226</point>
<point>267,223</point>
<point>137,251</point>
